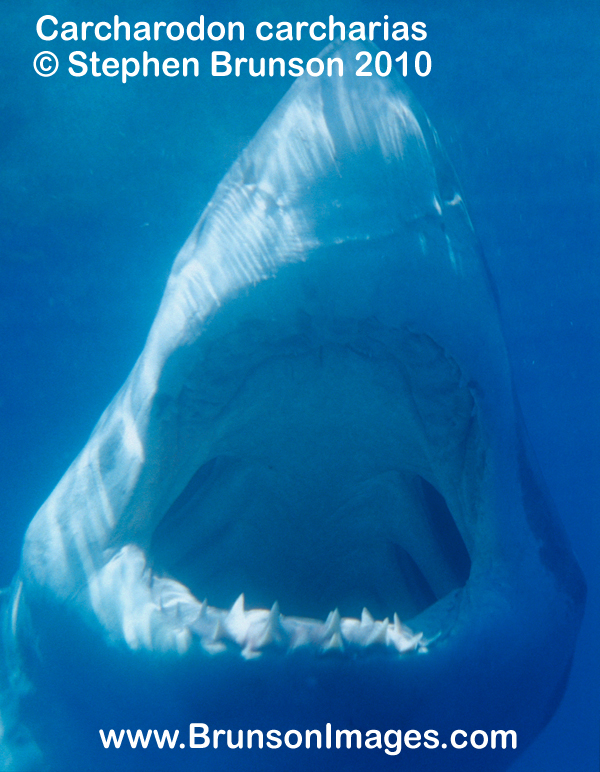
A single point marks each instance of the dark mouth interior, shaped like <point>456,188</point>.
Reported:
<point>447,536</point>
<point>336,481</point>
<point>177,545</point>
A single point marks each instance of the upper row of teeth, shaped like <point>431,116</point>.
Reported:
<point>254,630</point>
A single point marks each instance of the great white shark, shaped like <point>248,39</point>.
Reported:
<point>320,437</point>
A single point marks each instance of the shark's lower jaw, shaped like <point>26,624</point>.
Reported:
<point>323,420</point>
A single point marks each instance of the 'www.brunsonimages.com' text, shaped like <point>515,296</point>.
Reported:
<point>391,741</point>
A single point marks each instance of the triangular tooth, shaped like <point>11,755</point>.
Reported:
<point>236,621</point>
<point>379,634</point>
<point>333,624</point>
<point>271,634</point>
<point>334,643</point>
<point>408,644</point>
<point>237,611</point>
<point>397,623</point>
<point>267,636</point>
<point>219,630</point>
<point>365,617</point>
<point>203,607</point>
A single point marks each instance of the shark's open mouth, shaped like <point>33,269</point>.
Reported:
<point>329,488</point>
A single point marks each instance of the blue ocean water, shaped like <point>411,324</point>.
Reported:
<point>102,182</point>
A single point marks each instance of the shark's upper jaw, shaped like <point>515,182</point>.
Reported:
<point>322,417</point>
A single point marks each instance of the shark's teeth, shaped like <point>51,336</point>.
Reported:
<point>366,618</point>
<point>236,621</point>
<point>334,643</point>
<point>333,633</point>
<point>254,630</point>
<point>273,631</point>
<point>378,633</point>
<point>333,624</point>
<point>219,631</point>
<point>238,608</point>
<point>212,642</point>
<point>404,644</point>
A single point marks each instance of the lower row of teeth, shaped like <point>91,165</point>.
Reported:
<point>256,630</point>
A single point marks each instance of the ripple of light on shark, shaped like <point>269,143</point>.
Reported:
<point>322,419</point>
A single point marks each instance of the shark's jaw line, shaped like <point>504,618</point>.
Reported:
<point>332,287</point>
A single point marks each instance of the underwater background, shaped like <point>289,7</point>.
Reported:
<point>101,182</point>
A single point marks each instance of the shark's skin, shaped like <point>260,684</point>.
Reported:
<point>328,339</point>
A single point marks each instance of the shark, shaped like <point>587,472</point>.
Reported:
<point>313,505</point>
